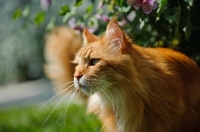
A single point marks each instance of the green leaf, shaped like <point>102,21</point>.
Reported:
<point>142,23</point>
<point>189,28</point>
<point>17,14</point>
<point>162,5</point>
<point>78,3</point>
<point>125,9</point>
<point>39,18</point>
<point>64,10</point>
<point>89,9</point>
<point>190,2</point>
<point>173,14</point>
<point>119,2</point>
<point>51,24</point>
<point>26,11</point>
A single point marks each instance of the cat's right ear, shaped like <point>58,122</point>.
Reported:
<point>88,37</point>
<point>115,36</point>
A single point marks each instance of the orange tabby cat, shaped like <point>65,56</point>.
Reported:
<point>136,89</point>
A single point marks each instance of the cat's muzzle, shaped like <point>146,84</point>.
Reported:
<point>81,84</point>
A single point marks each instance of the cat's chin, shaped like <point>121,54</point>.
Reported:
<point>86,90</point>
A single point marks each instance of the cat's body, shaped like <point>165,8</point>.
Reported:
<point>135,89</point>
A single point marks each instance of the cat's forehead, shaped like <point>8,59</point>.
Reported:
<point>85,51</point>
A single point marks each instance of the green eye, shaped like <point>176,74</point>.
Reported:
<point>93,61</point>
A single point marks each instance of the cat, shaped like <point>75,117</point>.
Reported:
<point>136,89</point>
<point>130,88</point>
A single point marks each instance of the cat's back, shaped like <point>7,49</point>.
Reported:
<point>180,64</point>
<point>182,75</point>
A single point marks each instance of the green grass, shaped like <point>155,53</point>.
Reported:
<point>25,119</point>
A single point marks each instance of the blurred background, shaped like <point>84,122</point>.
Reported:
<point>24,88</point>
<point>25,92</point>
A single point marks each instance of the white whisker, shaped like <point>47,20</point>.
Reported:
<point>53,98</point>
<point>55,107</point>
<point>69,47</point>
<point>62,85</point>
<point>65,110</point>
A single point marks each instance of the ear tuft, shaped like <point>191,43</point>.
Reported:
<point>114,34</point>
<point>88,37</point>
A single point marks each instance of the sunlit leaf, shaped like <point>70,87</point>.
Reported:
<point>188,29</point>
<point>125,9</point>
<point>39,18</point>
<point>26,11</point>
<point>190,2</point>
<point>89,9</point>
<point>119,2</point>
<point>51,24</point>
<point>64,10</point>
<point>162,4</point>
<point>142,23</point>
<point>78,3</point>
<point>17,14</point>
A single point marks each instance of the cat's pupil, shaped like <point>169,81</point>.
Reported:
<point>93,61</point>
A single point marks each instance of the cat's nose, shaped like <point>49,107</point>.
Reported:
<point>78,77</point>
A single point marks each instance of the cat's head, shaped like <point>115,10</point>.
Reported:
<point>103,62</point>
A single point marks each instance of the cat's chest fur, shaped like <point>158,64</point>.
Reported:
<point>113,111</point>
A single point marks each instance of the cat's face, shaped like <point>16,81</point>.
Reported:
<point>100,63</point>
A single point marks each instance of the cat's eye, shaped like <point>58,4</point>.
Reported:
<point>93,61</point>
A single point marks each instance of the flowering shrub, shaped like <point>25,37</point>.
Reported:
<point>155,23</point>
<point>147,5</point>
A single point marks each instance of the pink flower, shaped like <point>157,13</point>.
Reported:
<point>45,4</point>
<point>102,17</point>
<point>72,23</point>
<point>147,5</point>
<point>101,4</point>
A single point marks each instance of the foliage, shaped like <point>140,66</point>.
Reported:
<point>26,120</point>
<point>165,23</point>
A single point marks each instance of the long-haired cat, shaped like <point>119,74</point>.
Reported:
<point>136,89</point>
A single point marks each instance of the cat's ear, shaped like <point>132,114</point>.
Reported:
<point>114,35</point>
<point>88,37</point>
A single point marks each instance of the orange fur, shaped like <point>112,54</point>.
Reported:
<point>135,89</point>
<point>61,45</point>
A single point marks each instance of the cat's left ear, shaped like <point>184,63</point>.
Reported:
<point>88,37</point>
<point>114,35</point>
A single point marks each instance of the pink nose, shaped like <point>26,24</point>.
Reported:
<point>78,77</point>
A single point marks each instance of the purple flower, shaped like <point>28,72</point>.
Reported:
<point>102,17</point>
<point>80,27</point>
<point>72,23</point>
<point>45,4</point>
<point>101,4</point>
<point>122,22</point>
<point>131,16</point>
<point>147,5</point>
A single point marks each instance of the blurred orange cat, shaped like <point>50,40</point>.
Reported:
<point>136,89</point>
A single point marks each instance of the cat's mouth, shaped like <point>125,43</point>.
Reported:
<point>83,87</point>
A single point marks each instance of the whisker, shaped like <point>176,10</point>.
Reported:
<point>108,84</point>
<point>69,47</point>
<point>102,89</point>
<point>53,98</point>
<point>62,85</point>
<point>65,110</point>
<point>55,107</point>
<point>110,100</point>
